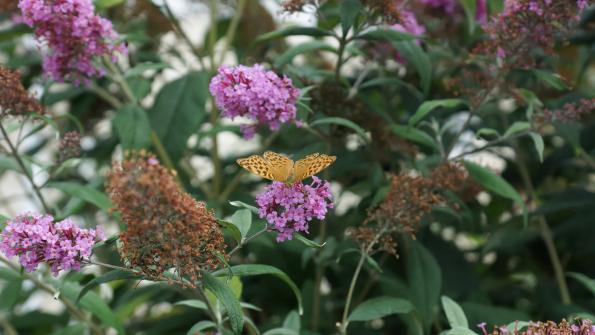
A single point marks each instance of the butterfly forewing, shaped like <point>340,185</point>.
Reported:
<point>257,165</point>
<point>280,165</point>
<point>311,165</point>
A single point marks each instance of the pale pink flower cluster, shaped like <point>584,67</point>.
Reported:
<point>75,37</point>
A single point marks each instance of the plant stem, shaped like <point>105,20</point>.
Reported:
<point>105,95</point>
<point>247,239</point>
<point>546,234</point>
<point>233,28</point>
<point>7,326</point>
<point>74,311</point>
<point>317,282</point>
<point>212,312</point>
<point>340,52</point>
<point>21,164</point>
<point>491,144</point>
<point>364,254</point>
<point>178,30</point>
<point>214,117</point>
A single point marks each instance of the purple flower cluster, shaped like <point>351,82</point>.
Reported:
<point>289,208</point>
<point>409,24</point>
<point>38,239</point>
<point>254,93</point>
<point>74,35</point>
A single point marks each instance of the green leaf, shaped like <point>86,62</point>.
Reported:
<point>378,308</point>
<point>10,294</point>
<point>244,205</point>
<point>342,122</point>
<point>309,243</point>
<point>429,106</point>
<point>539,145</point>
<point>586,281</point>
<point>246,270</point>
<point>292,52</point>
<point>292,31</point>
<point>417,57</point>
<point>141,68</point>
<point>104,4</point>
<point>281,331</point>
<point>487,132</point>
<point>14,32</point>
<point>496,184</point>
<point>292,321</point>
<point>470,8</point>
<point>93,303</point>
<point>553,80</point>
<point>226,296</point>
<point>179,110</point>
<point>389,35</point>
<point>242,219</point>
<point>516,127</point>
<point>84,192</point>
<point>200,326</point>
<point>425,281</point>
<point>454,313</point>
<point>414,135</point>
<point>133,127</point>
<point>349,12</point>
<point>73,329</point>
<point>233,229</point>
<point>192,303</point>
<point>9,274</point>
<point>106,278</point>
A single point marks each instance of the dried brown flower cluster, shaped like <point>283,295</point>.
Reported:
<point>387,9</point>
<point>294,6</point>
<point>14,98</point>
<point>166,227</point>
<point>70,146</point>
<point>517,38</point>
<point>578,327</point>
<point>408,200</point>
<point>8,6</point>
<point>571,111</point>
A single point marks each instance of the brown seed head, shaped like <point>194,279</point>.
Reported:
<point>166,227</point>
<point>14,98</point>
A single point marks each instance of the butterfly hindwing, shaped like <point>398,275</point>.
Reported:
<point>311,165</point>
<point>257,165</point>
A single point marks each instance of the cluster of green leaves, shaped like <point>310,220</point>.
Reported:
<point>501,259</point>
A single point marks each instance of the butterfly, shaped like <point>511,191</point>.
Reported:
<point>279,167</point>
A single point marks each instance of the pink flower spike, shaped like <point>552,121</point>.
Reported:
<point>289,208</point>
<point>37,239</point>
<point>257,94</point>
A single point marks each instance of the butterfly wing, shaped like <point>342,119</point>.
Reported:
<point>281,166</point>
<point>257,165</point>
<point>311,165</point>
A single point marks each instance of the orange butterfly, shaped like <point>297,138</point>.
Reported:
<point>279,167</point>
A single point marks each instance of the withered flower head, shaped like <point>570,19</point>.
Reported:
<point>14,98</point>
<point>408,200</point>
<point>577,327</point>
<point>388,9</point>
<point>166,227</point>
<point>570,111</point>
<point>294,6</point>
<point>8,6</point>
<point>70,146</point>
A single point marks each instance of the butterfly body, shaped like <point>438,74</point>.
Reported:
<point>277,167</point>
